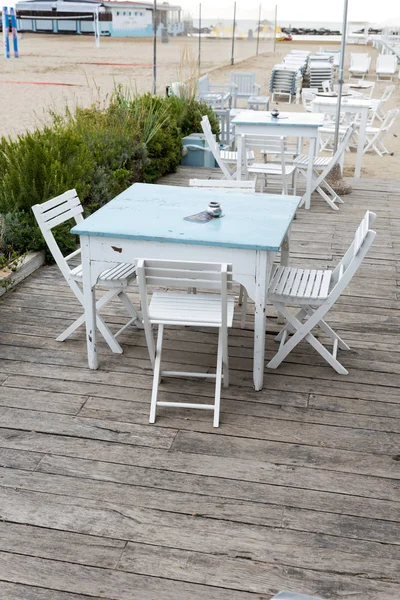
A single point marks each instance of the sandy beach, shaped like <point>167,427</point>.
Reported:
<point>55,71</point>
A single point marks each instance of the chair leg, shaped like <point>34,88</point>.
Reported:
<point>244,309</point>
<point>130,309</point>
<point>218,381</point>
<point>156,375</point>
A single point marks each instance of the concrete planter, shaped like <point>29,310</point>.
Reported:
<point>30,263</point>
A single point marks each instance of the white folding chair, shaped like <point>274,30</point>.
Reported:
<point>315,292</point>
<point>307,96</point>
<point>267,145</point>
<point>223,158</point>
<point>180,308</point>
<point>59,210</point>
<point>323,165</point>
<point>387,92</point>
<point>376,135</point>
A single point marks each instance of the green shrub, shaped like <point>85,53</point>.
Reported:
<point>98,151</point>
<point>42,164</point>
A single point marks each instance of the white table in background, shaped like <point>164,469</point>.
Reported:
<point>289,124</point>
<point>148,221</point>
<point>349,106</point>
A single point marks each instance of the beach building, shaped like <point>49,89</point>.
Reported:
<point>118,18</point>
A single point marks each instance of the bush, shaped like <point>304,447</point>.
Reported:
<point>97,151</point>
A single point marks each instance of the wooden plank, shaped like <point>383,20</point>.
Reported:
<point>124,433</point>
<point>19,459</point>
<point>69,547</point>
<point>241,573</point>
<point>106,584</point>
<point>42,401</point>
<point>14,591</point>
<point>338,475</point>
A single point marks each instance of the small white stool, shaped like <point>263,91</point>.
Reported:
<point>254,102</point>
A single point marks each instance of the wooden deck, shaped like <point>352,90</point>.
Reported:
<point>298,489</point>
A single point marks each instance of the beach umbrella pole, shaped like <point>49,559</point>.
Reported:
<point>233,34</point>
<point>155,49</point>
<point>199,59</point>
<point>335,178</point>
<point>340,78</point>
<point>258,29</point>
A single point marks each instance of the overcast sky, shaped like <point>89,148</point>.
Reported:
<point>298,10</point>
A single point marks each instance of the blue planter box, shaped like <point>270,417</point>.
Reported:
<point>197,153</point>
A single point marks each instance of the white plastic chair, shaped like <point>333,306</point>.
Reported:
<point>359,64</point>
<point>315,292</point>
<point>307,96</point>
<point>180,308</point>
<point>244,85</point>
<point>224,158</point>
<point>268,145</point>
<point>386,65</point>
<point>326,86</point>
<point>324,165</point>
<point>375,135</point>
<point>59,210</point>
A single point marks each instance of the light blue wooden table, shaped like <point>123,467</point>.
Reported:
<point>290,124</point>
<point>148,221</point>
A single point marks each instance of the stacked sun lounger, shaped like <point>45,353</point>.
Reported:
<point>298,59</point>
<point>320,70</point>
<point>286,80</point>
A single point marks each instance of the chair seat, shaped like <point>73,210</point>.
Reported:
<point>118,274</point>
<point>299,284</point>
<point>302,160</point>
<point>182,308</point>
<point>270,169</point>
<point>231,156</point>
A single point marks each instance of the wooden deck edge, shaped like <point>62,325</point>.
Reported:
<point>30,263</point>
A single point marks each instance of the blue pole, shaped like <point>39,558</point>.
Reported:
<point>6,25</point>
<point>14,32</point>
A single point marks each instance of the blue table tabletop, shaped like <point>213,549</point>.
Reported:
<point>157,213</point>
<point>295,119</point>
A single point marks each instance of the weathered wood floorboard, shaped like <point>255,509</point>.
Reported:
<point>298,489</point>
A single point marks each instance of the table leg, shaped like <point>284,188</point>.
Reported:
<point>311,157</point>
<point>263,269</point>
<point>89,304</point>
<point>361,143</point>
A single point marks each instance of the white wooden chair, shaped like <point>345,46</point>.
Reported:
<point>267,145</point>
<point>180,308</point>
<point>223,158</point>
<point>386,65</point>
<point>244,85</point>
<point>387,92</point>
<point>326,86</point>
<point>376,135</point>
<point>205,89</point>
<point>359,64</point>
<point>315,292</point>
<point>59,210</point>
<point>322,167</point>
<point>307,96</point>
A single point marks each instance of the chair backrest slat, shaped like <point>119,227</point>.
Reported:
<point>53,212</point>
<point>203,84</point>
<point>244,82</point>
<point>348,265</point>
<point>176,274</point>
<point>241,186</point>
